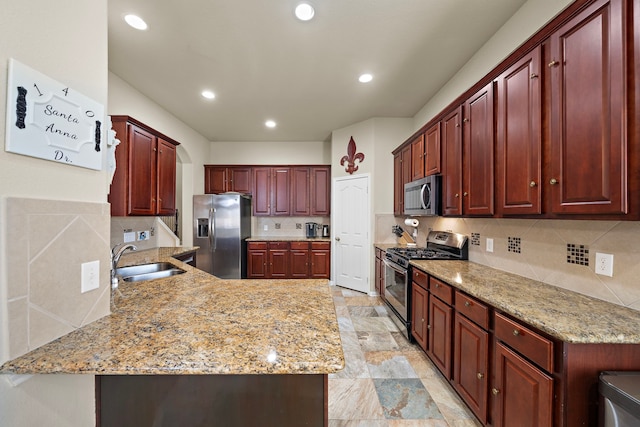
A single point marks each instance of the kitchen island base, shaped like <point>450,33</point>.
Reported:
<point>211,400</point>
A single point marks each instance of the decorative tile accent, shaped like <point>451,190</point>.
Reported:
<point>577,254</point>
<point>513,244</point>
<point>475,239</point>
<point>406,399</point>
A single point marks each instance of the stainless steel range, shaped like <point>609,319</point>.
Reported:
<point>441,245</point>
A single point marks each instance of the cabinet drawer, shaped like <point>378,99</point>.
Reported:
<point>441,290</point>
<point>531,345</point>
<point>420,277</point>
<point>257,245</point>
<point>473,309</point>
<point>278,245</point>
<point>321,245</point>
<point>300,245</point>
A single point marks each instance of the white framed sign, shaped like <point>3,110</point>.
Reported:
<point>51,121</point>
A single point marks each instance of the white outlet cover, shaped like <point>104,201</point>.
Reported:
<point>90,276</point>
<point>604,264</point>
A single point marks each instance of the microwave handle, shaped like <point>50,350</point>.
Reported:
<point>425,187</point>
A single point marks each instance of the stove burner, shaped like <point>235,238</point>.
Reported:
<point>440,245</point>
<point>419,253</point>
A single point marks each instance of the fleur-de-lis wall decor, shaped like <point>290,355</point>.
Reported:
<point>351,157</point>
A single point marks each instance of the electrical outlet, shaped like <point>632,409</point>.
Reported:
<point>604,264</point>
<point>143,235</point>
<point>489,245</point>
<point>266,227</point>
<point>89,276</point>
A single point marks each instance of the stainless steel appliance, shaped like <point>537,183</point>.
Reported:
<point>325,230</point>
<point>441,245</point>
<point>312,229</point>
<point>221,225</point>
<point>422,197</point>
<point>619,398</point>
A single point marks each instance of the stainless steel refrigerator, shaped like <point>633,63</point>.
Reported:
<point>221,225</point>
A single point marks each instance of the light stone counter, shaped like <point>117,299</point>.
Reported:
<point>563,314</point>
<point>195,323</point>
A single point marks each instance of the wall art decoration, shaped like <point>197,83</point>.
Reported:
<point>49,120</point>
<point>351,157</point>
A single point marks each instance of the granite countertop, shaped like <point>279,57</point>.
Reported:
<point>195,323</point>
<point>287,239</point>
<point>569,316</point>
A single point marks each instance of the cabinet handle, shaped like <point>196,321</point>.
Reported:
<point>495,391</point>
<point>553,181</point>
<point>533,76</point>
<point>437,285</point>
<point>532,184</point>
<point>480,376</point>
<point>465,194</point>
<point>428,326</point>
<point>467,304</point>
<point>516,332</point>
<point>422,320</point>
<point>465,120</point>
<point>553,63</point>
<point>457,195</point>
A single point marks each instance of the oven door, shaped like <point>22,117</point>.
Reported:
<point>395,288</point>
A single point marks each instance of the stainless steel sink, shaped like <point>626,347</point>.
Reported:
<point>156,270</point>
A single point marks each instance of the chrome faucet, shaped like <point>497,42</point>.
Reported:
<point>115,257</point>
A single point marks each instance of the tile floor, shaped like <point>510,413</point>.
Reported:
<point>387,382</point>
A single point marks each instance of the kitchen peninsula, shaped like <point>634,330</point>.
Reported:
<point>192,345</point>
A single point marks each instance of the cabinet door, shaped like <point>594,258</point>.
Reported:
<point>478,153</point>
<point>522,394</point>
<point>588,112</point>
<point>166,178</point>
<point>398,186</point>
<point>320,264</point>
<point>471,365</point>
<point>300,200</point>
<point>299,263</point>
<point>439,338</point>
<point>519,137</point>
<point>261,197</point>
<point>142,172</point>
<point>320,191</point>
<point>432,150</point>
<point>417,158</point>
<point>452,163</point>
<point>257,264</point>
<point>239,179</point>
<point>215,179</point>
<point>278,263</point>
<point>419,314</point>
<point>280,191</point>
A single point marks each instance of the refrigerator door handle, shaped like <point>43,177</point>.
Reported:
<point>212,229</point>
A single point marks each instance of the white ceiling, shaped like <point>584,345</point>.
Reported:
<point>263,64</point>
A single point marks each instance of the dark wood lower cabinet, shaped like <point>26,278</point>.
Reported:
<point>440,322</point>
<point>288,260</point>
<point>211,400</point>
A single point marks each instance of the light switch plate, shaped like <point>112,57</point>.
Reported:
<point>90,276</point>
<point>489,245</point>
<point>129,236</point>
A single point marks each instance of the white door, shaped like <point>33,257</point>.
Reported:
<point>351,212</point>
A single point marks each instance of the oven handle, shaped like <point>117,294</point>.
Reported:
<point>393,267</point>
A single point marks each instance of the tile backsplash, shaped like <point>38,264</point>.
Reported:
<point>558,252</point>
<point>283,226</point>
<point>47,242</point>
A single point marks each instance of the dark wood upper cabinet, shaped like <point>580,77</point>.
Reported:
<point>144,182</point>
<point>477,142</point>
<point>280,191</point>
<point>432,151</point>
<point>320,190</point>
<point>220,179</point>
<point>417,158</point>
<point>300,197</point>
<point>588,143</point>
<point>519,137</point>
<point>261,198</point>
<point>452,163</point>
<point>402,174</point>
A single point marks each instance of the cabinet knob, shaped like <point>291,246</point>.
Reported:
<point>532,184</point>
<point>457,195</point>
<point>516,332</point>
<point>465,194</point>
<point>533,76</point>
<point>553,63</point>
<point>457,125</point>
<point>422,320</point>
<point>480,375</point>
<point>465,120</point>
<point>437,285</point>
<point>428,326</point>
<point>467,304</point>
<point>553,181</point>
<point>495,391</point>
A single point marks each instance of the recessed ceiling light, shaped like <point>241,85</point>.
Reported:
<point>270,124</point>
<point>136,22</point>
<point>304,11</point>
<point>208,94</point>
<point>365,78</point>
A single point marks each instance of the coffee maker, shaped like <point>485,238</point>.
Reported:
<point>311,228</point>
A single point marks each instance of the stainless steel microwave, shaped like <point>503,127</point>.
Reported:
<point>422,197</point>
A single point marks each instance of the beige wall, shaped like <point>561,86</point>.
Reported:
<point>270,153</point>
<point>67,41</point>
